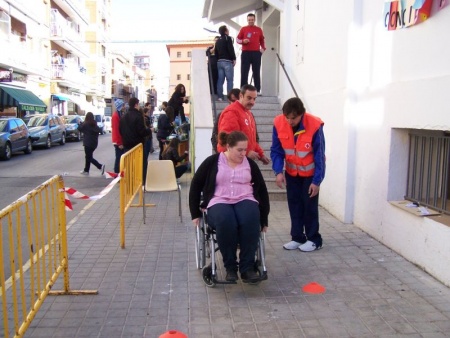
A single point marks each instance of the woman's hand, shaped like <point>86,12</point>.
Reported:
<point>264,229</point>
<point>196,221</point>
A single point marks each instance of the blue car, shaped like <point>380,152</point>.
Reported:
<point>46,129</point>
<point>72,132</point>
<point>14,136</point>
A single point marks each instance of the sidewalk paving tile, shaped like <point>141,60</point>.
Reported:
<point>152,285</point>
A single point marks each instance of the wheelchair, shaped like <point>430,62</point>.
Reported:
<point>206,248</point>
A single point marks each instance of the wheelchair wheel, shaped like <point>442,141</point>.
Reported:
<point>207,276</point>
<point>199,246</point>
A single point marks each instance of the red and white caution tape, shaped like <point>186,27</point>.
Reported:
<point>77,194</point>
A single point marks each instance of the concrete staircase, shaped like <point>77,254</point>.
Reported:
<point>265,109</point>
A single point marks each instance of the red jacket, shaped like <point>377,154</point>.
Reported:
<point>116,137</point>
<point>236,117</point>
<point>255,35</point>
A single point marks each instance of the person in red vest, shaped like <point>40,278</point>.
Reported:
<point>238,117</point>
<point>298,144</point>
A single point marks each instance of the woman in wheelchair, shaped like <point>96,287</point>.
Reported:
<point>235,196</point>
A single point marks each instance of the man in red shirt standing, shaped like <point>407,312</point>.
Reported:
<point>251,38</point>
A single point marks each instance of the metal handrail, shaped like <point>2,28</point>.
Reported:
<point>285,72</point>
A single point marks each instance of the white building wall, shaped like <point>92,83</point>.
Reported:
<point>368,85</point>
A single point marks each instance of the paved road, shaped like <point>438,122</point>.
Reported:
<point>23,173</point>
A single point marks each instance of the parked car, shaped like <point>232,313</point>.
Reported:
<point>72,132</point>
<point>14,136</point>
<point>100,118</point>
<point>107,124</point>
<point>46,129</point>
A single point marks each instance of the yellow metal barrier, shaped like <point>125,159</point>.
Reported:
<point>131,165</point>
<point>33,230</point>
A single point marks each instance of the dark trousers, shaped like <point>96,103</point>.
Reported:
<point>304,210</point>
<point>180,170</point>
<point>161,143</point>
<point>213,76</point>
<point>236,224</point>
<point>144,164</point>
<point>148,145</point>
<point>119,153</point>
<point>89,158</point>
<point>252,58</point>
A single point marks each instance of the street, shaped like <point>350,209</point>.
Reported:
<point>24,173</point>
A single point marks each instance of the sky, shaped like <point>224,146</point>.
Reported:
<point>154,23</point>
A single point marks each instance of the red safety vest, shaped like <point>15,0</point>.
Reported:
<point>299,157</point>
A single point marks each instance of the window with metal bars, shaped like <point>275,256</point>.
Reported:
<point>428,169</point>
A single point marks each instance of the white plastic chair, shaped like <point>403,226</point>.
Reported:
<point>160,177</point>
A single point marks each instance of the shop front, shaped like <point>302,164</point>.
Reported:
<point>18,102</point>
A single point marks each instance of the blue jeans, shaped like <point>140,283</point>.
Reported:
<point>236,224</point>
<point>225,70</point>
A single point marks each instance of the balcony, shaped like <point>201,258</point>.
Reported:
<point>64,33</point>
<point>74,8</point>
<point>20,56</point>
<point>69,75</point>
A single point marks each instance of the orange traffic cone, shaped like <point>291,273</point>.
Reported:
<point>173,334</point>
<point>314,288</point>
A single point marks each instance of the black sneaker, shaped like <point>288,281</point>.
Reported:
<point>249,276</point>
<point>231,276</point>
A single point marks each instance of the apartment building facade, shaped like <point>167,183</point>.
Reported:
<point>57,58</point>
<point>180,64</point>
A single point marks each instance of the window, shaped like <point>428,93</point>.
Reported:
<point>178,76</point>
<point>188,76</point>
<point>178,54</point>
<point>428,169</point>
<point>189,54</point>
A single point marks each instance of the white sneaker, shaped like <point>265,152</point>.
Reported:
<point>103,170</point>
<point>292,245</point>
<point>309,246</point>
<point>82,172</point>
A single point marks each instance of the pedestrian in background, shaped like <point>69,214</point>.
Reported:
<point>226,60</point>
<point>165,128</point>
<point>251,38</point>
<point>212,67</point>
<point>90,132</point>
<point>115,133</point>
<point>133,130</point>
<point>176,101</point>
<point>298,144</point>
<point>171,153</point>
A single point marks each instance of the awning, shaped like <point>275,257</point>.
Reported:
<point>21,98</point>
<point>80,101</point>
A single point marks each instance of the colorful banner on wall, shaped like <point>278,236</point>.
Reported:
<point>406,13</point>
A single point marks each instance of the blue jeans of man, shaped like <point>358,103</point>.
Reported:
<point>236,224</point>
<point>225,70</point>
<point>304,210</point>
<point>252,58</point>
